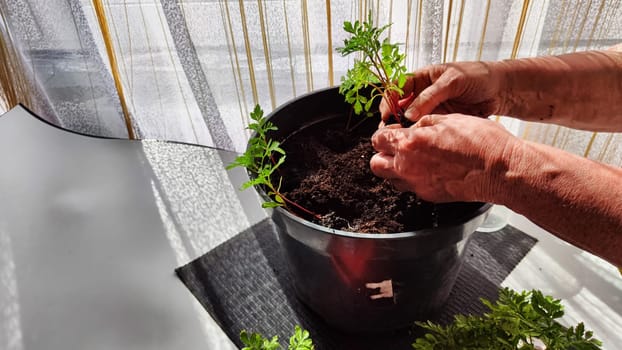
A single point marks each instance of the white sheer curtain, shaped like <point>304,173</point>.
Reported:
<point>190,70</point>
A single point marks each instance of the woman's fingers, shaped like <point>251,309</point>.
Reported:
<point>383,165</point>
<point>427,101</point>
<point>386,140</point>
<point>430,120</point>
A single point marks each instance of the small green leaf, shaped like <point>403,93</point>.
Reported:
<point>369,104</point>
<point>244,337</point>
<point>256,341</point>
<point>401,81</point>
<point>358,108</point>
<point>347,26</point>
<point>300,340</point>
<point>270,204</point>
<point>257,113</point>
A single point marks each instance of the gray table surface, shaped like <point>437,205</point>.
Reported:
<point>91,230</point>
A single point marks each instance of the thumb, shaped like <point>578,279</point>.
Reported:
<point>427,101</point>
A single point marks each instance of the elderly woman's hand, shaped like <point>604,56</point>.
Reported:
<point>472,88</point>
<point>445,158</point>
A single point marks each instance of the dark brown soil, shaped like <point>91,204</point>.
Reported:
<point>327,171</point>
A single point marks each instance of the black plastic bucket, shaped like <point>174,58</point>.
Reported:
<point>369,282</point>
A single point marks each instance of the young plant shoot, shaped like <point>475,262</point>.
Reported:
<point>515,321</point>
<point>380,68</point>
<point>255,341</point>
<point>260,160</point>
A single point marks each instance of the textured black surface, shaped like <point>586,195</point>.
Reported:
<point>244,284</point>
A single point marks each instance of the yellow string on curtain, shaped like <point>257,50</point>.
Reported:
<point>484,27</point>
<point>289,50</point>
<point>390,18</point>
<point>121,55</point>
<point>582,26</point>
<point>329,39</point>
<point>307,45</point>
<point>103,26</point>
<point>519,30</point>
<point>265,40</point>
<point>594,134</point>
<point>408,16</point>
<point>600,11</point>
<point>447,31</point>
<point>457,38</point>
<point>249,54</point>
<point>235,67</point>
<point>13,83</point>
<point>418,45</point>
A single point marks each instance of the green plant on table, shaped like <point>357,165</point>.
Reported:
<point>517,321</point>
<point>262,158</point>
<point>381,67</point>
<point>514,322</point>
<point>299,341</point>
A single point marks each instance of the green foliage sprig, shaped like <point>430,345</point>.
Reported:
<point>513,322</point>
<point>381,68</point>
<point>260,160</point>
<point>299,341</point>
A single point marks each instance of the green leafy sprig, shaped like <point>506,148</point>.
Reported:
<point>381,68</point>
<point>260,160</point>
<point>299,341</point>
<point>514,322</point>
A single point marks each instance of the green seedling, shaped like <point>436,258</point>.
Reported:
<point>262,158</point>
<point>299,341</point>
<point>514,322</point>
<point>381,68</point>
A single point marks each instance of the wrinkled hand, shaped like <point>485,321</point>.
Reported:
<point>445,158</point>
<point>472,88</point>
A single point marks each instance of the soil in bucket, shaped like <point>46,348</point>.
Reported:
<point>327,171</point>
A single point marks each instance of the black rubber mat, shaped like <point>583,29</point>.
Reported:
<point>244,284</point>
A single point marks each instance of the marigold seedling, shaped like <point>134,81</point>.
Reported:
<point>514,322</point>
<point>380,68</point>
<point>262,158</point>
<point>299,341</point>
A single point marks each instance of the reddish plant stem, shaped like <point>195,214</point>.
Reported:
<point>394,106</point>
<point>317,216</point>
<point>276,192</point>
